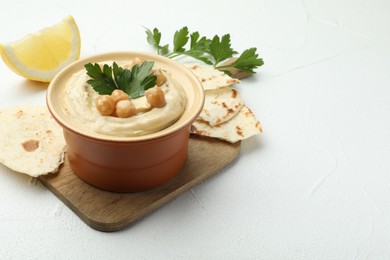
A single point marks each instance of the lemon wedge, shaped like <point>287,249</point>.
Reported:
<point>40,56</point>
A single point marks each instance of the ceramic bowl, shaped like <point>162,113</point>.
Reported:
<point>127,164</point>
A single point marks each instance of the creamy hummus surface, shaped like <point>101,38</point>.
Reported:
<point>80,104</point>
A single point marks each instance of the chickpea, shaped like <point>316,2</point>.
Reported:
<point>105,105</point>
<point>136,61</point>
<point>155,97</point>
<point>160,77</point>
<point>133,62</point>
<point>125,108</point>
<point>118,95</point>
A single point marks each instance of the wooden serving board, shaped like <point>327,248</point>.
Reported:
<point>111,211</point>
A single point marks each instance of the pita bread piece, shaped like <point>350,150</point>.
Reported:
<point>242,126</point>
<point>209,77</point>
<point>221,105</point>
<point>31,141</point>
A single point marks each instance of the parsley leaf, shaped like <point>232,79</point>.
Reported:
<point>246,62</point>
<point>141,80</point>
<point>216,51</point>
<point>180,39</point>
<point>100,82</point>
<point>134,82</point>
<point>199,48</point>
<point>220,48</point>
<point>154,40</point>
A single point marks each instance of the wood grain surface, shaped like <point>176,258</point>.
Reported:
<point>111,211</point>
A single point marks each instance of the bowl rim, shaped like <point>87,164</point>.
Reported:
<point>175,127</point>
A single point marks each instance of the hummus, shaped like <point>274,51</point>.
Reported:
<point>80,104</point>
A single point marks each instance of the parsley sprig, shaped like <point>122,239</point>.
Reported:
<point>133,82</point>
<point>215,51</point>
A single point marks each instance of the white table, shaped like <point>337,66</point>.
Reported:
<point>315,185</point>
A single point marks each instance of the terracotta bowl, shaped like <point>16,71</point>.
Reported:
<point>127,164</point>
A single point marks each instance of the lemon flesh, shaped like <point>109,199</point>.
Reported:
<point>40,56</point>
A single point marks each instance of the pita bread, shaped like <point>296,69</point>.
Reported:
<point>240,127</point>
<point>31,141</point>
<point>221,105</point>
<point>209,77</point>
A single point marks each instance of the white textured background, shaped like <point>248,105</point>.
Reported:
<point>315,185</point>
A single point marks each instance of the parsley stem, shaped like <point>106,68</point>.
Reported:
<point>223,67</point>
<point>173,55</point>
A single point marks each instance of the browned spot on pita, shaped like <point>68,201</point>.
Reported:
<point>248,113</point>
<point>203,80</point>
<point>258,126</point>
<point>230,111</point>
<point>30,145</point>
<point>231,81</point>
<point>224,105</point>
<point>195,67</point>
<point>193,129</point>
<point>239,131</point>
<point>49,132</point>
<point>234,93</point>
<point>19,113</point>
